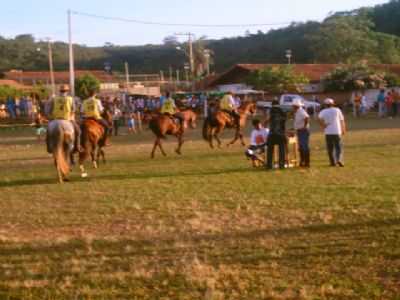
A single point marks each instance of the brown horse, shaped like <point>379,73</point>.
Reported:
<point>93,141</point>
<point>163,125</point>
<point>215,125</point>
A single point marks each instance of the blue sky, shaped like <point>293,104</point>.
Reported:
<point>48,18</point>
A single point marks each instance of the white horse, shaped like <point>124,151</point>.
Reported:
<point>60,143</point>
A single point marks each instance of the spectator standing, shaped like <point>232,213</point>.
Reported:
<point>11,107</point>
<point>332,121</point>
<point>357,105</point>
<point>131,123</point>
<point>277,136</point>
<point>116,119</point>
<point>395,104</point>
<point>302,127</point>
<point>381,103</point>
<point>389,104</point>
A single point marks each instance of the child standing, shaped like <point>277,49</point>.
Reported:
<point>131,124</point>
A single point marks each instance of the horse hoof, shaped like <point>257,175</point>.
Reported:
<point>178,152</point>
<point>84,175</point>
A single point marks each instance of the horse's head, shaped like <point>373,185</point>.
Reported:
<point>249,107</point>
<point>107,115</point>
<point>191,119</point>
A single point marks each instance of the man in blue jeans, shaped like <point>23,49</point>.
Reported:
<point>332,121</point>
<point>302,127</point>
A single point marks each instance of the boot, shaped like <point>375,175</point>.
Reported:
<point>307,159</point>
<point>48,143</point>
<point>302,157</point>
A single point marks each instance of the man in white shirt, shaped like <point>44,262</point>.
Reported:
<point>302,127</point>
<point>332,121</point>
<point>258,142</point>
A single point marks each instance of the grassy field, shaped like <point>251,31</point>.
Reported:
<point>204,225</point>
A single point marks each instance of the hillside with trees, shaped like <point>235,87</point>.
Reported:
<point>371,34</point>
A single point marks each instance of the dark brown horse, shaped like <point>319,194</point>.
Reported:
<point>215,125</point>
<point>93,141</point>
<point>163,125</point>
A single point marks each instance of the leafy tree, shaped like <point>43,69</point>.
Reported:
<point>277,80</point>
<point>392,80</point>
<point>354,77</point>
<point>8,91</point>
<point>86,84</point>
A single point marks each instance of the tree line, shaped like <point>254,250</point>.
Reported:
<point>371,34</point>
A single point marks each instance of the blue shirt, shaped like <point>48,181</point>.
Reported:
<point>381,97</point>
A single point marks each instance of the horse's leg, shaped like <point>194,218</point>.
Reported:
<point>241,139</point>
<point>217,133</point>
<point>180,142</point>
<point>161,148</point>
<point>94,156</point>
<point>103,155</point>
<point>237,136</point>
<point>156,142</point>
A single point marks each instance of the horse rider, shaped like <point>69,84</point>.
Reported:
<point>92,109</point>
<point>63,108</point>
<point>168,108</point>
<point>227,104</point>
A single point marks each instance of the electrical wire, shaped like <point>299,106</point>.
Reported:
<point>176,24</point>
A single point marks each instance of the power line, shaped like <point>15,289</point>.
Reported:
<point>176,24</point>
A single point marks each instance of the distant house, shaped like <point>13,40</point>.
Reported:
<point>235,78</point>
<point>14,84</point>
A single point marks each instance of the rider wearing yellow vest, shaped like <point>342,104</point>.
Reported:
<point>63,108</point>
<point>92,109</point>
<point>168,106</point>
<point>227,104</point>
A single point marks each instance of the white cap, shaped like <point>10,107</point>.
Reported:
<point>329,101</point>
<point>297,102</point>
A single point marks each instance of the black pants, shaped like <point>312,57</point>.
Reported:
<point>280,140</point>
<point>116,126</point>
<point>334,147</point>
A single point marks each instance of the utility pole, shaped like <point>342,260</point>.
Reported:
<point>177,76</point>
<point>190,43</point>
<point>127,76</point>
<point>170,75</point>
<point>207,55</point>
<point>289,55</point>
<point>71,57</point>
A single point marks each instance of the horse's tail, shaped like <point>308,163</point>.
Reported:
<point>155,128</point>
<point>60,158</point>
<point>206,129</point>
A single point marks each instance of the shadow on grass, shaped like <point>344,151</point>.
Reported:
<point>321,239</point>
<point>149,175</point>
<point>127,176</point>
<point>28,182</point>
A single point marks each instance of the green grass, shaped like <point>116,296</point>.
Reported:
<point>204,225</point>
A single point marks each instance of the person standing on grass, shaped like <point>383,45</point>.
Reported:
<point>131,124</point>
<point>381,103</point>
<point>116,119</point>
<point>332,121</point>
<point>302,127</point>
<point>389,104</point>
<point>277,136</point>
<point>357,104</point>
<point>395,104</point>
